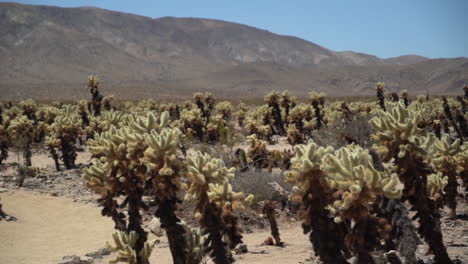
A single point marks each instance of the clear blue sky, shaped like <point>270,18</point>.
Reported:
<point>386,28</point>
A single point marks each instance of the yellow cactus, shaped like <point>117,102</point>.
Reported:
<point>195,244</point>
<point>436,183</point>
<point>204,170</point>
<point>306,168</point>
<point>124,242</point>
<point>350,169</point>
<point>396,128</point>
<point>222,195</point>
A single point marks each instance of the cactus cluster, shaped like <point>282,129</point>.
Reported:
<point>353,198</point>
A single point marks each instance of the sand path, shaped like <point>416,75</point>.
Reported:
<point>49,228</point>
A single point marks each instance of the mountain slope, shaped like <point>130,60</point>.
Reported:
<point>47,52</point>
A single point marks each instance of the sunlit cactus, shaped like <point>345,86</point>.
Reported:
<point>141,155</point>
<point>294,135</point>
<point>312,189</point>
<point>445,156</point>
<point>96,97</point>
<point>216,128</point>
<point>405,97</point>
<point>350,169</point>
<point>241,114</point>
<point>225,109</point>
<point>268,210</point>
<point>22,132</point>
<point>4,139</point>
<point>195,242</point>
<point>162,158</point>
<point>287,103</point>
<point>450,118</point>
<point>318,100</point>
<point>124,244</point>
<point>436,183</point>
<point>205,103</point>
<point>301,116</point>
<point>28,108</point>
<point>257,154</point>
<point>273,101</point>
<point>210,188</point>
<point>103,122</point>
<point>380,88</point>
<point>399,138</point>
<point>395,128</point>
<point>192,121</point>
<point>64,133</point>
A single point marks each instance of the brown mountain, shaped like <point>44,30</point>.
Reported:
<point>47,52</point>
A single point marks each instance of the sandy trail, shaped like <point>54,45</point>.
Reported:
<point>297,248</point>
<point>49,228</point>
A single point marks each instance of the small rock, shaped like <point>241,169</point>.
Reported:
<point>423,249</point>
<point>53,194</point>
<point>10,218</point>
<point>155,227</point>
<point>104,251</point>
<point>87,260</point>
<point>71,260</point>
<point>241,249</point>
<point>154,242</point>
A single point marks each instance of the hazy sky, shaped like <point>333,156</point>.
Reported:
<point>386,28</point>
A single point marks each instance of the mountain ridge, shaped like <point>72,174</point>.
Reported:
<point>47,52</point>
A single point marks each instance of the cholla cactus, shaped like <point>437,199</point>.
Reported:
<point>294,135</point>
<point>124,244</point>
<point>4,139</point>
<point>380,88</point>
<point>216,128</point>
<point>141,155</point>
<point>28,108</point>
<point>103,122</point>
<point>215,199</point>
<point>287,102</point>
<point>205,103</point>
<point>315,193</point>
<point>350,169</point>
<point>302,117</point>
<point>273,101</point>
<point>268,210</point>
<point>405,97</point>
<point>257,154</point>
<point>240,114</point>
<point>64,133</point>
<point>398,137</point>
<point>436,183</point>
<point>318,100</point>
<point>445,157</point>
<point>192,121</point>
<point>22,132</point>
<point>224,109</point>
<point>96,97</point>
<point>195,241</point>
<point>450,118</point>
<point>396,128</point>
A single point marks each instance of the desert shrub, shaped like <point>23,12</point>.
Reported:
<point>343,132</point>
<point>257,182</point>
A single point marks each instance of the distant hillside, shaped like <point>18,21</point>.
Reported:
<point>47,52</point>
